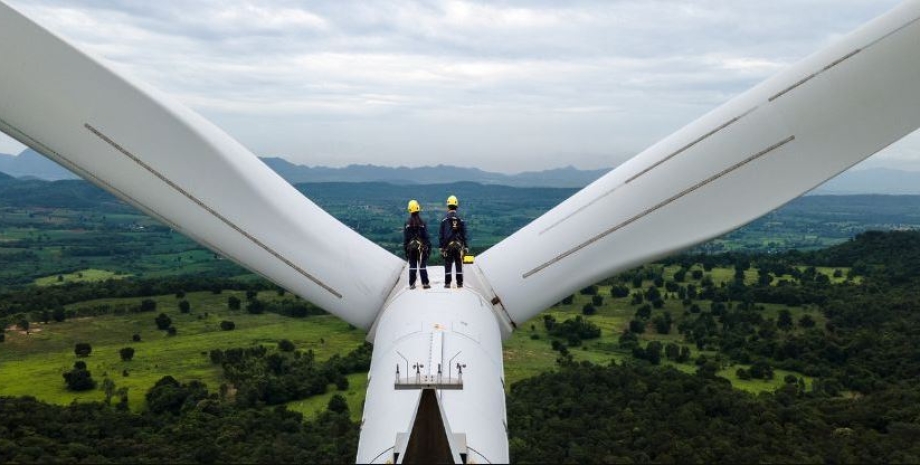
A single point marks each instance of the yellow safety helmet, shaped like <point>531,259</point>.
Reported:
<point>452,201</point>
<point>414,207</point>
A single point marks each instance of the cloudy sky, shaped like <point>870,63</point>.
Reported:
<point>500,85</point>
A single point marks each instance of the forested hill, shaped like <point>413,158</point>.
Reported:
<point>864,406</point>
<point>73,194</point>
<point>80,194</point>
<point>896,254</point>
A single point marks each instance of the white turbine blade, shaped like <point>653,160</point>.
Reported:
<point>163,158</point>
<point>737,163</point>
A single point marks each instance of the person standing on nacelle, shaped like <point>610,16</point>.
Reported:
<point>453,242</point>
<point>417,245</point>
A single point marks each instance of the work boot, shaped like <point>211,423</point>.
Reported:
<point>459,285</point>
<point>447,286</point>
<point>412,286</point>
<point>426,286</point>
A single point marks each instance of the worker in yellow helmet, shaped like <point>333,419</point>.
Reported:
<point>417,245</point>
<point>453,242</point>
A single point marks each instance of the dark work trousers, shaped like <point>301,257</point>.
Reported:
<point>414,266</point>
<point>453,258</point>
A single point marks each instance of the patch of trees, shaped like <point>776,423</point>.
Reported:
<point>29,298</point>
<point>627,413</point>
<point>205,430</point>
<point>82,349</point>
<point>126,354</point>
<point>79,378</point>
<point>573,330</point>
<point>163,321</point>
<point>846,353</point>
<point>271,377</point>
<point>294,308</point>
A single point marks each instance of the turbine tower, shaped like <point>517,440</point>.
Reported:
<point>436,383</point>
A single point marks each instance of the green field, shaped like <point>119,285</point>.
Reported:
<point>87,275</point>
<point>33,363</point>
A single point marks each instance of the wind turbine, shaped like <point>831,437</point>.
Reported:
<point>740,161</point>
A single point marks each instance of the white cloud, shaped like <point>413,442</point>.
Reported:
<point>502,85</point>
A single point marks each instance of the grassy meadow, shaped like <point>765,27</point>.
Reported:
<point>33,364</point>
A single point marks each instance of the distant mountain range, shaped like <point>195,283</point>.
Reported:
<point>560,177</point>
<point>872,181</point>
<point>31,165</point>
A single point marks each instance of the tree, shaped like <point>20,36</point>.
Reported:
<point>82,349</point>
<point>590,290</point>
<point>662,323</point>
<point>807,321</point>
<point>588,309</point>
<point>227,325</point>
<point>255,307</point>
<point>681,275</point>
<point>127,353</point>
<point>163,321</point>
<point>79,379</point>
<point>136,337</point>
<point>636,326</point>
<point>653,352</point>
<point>672,351</point>
<point>233,303</point>
<point>597,300</point>
<point>23,324</point>
<point>568,300</point>
<point>251,294</point>
<point>341,383</point>
<point>761,370</point>
<point>59,314</point>
<point>171,331</point>
<point>644,312</point>
<point>619,291</point>
<point>285,345</point>
<point>2,336</point>
<point>337,404</point>
<point>784,320</point>
<point>628,341</point>
<point>184,306</point>
<point>148,305</point>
